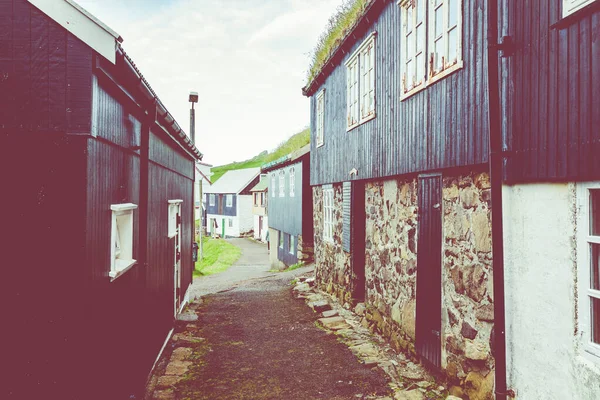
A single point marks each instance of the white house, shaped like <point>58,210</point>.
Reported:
<point>229,203</point>
<point>203,174</point>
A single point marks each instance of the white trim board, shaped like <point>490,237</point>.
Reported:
<point>82,24</point>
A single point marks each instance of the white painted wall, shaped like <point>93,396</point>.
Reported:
<point>545,359</point>
<point>265,227</point>
<point>244,213</point>
<point>230,231</point>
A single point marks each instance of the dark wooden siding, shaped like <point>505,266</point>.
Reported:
<point>443,126</point>
<point>285,213</point>
<point>220,207</point>
<point>283,254</point>
<point>45,73</point>
<point>346,216</point>
<point>551,93</point>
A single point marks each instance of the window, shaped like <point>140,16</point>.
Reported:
<point>292,173</point>
<point>255,199</point>
<point>281,183</point>
<point>360,76</point>
<point>121,253</point>
<point>211,199</point>
<point>432,28</point>
<point>273,183</point>
<point>231,222</point>
<point>292,248</point>
<point>570,6</point>
<point>589,273</point>
<point>328,213</point>
<point>174,216</point>
<point>320,118</point>
<point>280,240</point>
<point>228,200</point>
<point>262,199</point>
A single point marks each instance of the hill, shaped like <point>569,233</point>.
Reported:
<point>293,143</point>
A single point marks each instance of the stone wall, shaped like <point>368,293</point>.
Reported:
<point>391,259</point>
<point>305,250</point>
<point>333,268</point>
<point>467,299</point>
<point>468,283</point>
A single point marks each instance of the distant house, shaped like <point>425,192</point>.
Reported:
<point>290,209</point>
<point>259,208</point>
<point>229,203</point>
<point>101,215</point>
<point>203,174</point>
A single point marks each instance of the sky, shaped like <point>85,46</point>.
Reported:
<point>247,59</point>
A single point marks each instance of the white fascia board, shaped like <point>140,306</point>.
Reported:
<point>82,24</point>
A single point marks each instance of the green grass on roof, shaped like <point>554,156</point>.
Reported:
<point>337,27</point>
<point>288,146</point>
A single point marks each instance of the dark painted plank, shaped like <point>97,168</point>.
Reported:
<point>573,109</point>
<point>39,70</point>
<point>79,86</point>
<point>57,70</point>
<point>595,100</point>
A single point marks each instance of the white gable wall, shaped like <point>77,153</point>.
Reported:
<point>545,359</point>
<point>244,212</point>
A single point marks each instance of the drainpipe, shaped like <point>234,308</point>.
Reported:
<point>496,158</point>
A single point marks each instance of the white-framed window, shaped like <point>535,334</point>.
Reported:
<point>292,248</point>
<point>121,252</point>
<point>228,200</point>
<point>328,210</point>
<point>211,199</point>
<point>262,199</point>
<point>281,183</point>
<point>588,252</point>
<point>273,183</point>
<point>230,222</point>
<point>255,195</point>
<point>570,6</point>
<point>292,173</point>
<point>360,87</point>
<point>320,136</point>
<point>174,216</point>
<point>431,42</point>
<point>280,240</point>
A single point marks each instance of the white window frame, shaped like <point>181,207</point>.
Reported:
<point>360,84</point>
<point>281,240</point>
<point>121,239</point>
<point>229,200</point>
<point>426,73</point>
<point>570,6</point>
<point>320,135</point>
<point>281,183</point>
<point>211,199</point>
<point>585,292</point>
<point>230,223</point>
<point>328,213</point>
<point>273,184</point>
<point>292,245</point>
<point>174,209</point>
<point>292,173</point>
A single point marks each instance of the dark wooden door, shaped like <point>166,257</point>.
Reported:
<point>429,270</point>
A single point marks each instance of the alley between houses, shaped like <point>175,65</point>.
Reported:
<point>276,337</point>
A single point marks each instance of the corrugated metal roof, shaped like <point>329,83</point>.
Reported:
<point>234,181</point>
<point>262,185</point>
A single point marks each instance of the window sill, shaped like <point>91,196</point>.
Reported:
<point>444,74</point>
<point>320,144</point>
<point>121,266</point>
<point>576,16</point>
<point>362,121</point>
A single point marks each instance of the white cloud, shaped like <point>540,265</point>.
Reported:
<point>246,58</point>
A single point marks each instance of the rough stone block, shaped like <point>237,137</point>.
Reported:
<point>476,350</point>
<point>177,367</point>
<point>164,395</point>
<point>334,323</point>
<point>478,387</point>
<point>329,313</point>
<point>485,312</point>
<point>320,305</point>
<point>181,353</point>
<point>468,331</point>
<point>167,381</point>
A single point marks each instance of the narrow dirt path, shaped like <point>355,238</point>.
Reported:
<point>258,341</point>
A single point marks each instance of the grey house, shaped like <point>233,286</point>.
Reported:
<point>290,209</point>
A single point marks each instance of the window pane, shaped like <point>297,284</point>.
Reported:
<point>410,46</point>
<point>452,13</point>
<point>438,53</point>
<point>439,19</point>
<point>452,46</point>
<point>410,78</point>
<point>420,67</point>
<point>595,212</point>
<point>595,266</point>
<point>419,37</point>
<point>419,9</point>
<point>409,16</point>
<point>595,319</point>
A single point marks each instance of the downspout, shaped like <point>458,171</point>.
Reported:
<point>495,166</point>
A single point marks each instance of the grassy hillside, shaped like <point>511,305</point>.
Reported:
<point>294,143</point>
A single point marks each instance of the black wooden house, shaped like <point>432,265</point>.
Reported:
<point>290,209</point>
<point>401,191</point>
<point>99,179</point>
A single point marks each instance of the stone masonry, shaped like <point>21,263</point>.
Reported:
<point>391,268</point>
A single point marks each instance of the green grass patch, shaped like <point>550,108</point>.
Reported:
<point>337,28</point>
<point>218,256</point>
<point>286,147</point>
